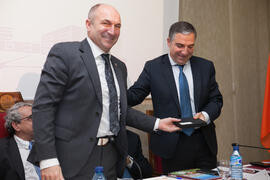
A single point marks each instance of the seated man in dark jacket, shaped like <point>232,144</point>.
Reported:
<point>15,149</point>
<point>136,158</point>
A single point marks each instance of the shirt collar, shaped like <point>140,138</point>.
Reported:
<point>95,49</point>
<point>21,143</point>
<point>173,63</point>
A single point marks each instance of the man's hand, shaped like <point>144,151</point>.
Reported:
<point>199,116</point>
<point>167,124</point>
<point>52,173</point>
<point>129,161</point>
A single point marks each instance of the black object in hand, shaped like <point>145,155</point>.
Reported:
<point>190,123</point>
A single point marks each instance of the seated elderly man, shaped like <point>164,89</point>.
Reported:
<point>15,149</point>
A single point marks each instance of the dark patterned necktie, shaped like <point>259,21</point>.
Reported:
<point>113,107</point>
<point>186,111</point>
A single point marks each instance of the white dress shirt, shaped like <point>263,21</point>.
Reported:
<point>104,126</point>
<point>29,168</point>
<point>188,73</point>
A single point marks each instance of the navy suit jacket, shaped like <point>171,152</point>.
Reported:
<point>11,166</point>
<point>157,78</point>
<point>68,106</point>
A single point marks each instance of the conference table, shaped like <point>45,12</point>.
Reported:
<point>250,172</point>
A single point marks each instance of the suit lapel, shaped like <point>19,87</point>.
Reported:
<point>168,74</point>
<point>15,158</point>
<point>196,81</point>
<point>121,81</point>
<point>91,67</point>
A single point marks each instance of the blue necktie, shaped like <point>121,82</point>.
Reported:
<point>186,111</point>
<point>36,167</point>
<point>113,107</point>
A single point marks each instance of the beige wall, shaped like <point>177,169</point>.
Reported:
<point>234,34</point>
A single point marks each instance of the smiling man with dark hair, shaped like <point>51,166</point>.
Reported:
<point>181,86</point>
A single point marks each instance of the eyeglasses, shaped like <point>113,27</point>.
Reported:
<point>27,118</point>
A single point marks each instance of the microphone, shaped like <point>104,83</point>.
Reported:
<point>262,164</point>
<point>241,145</point>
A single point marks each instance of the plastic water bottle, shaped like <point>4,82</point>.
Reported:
<point>99,174</point>
<point>236,164</point>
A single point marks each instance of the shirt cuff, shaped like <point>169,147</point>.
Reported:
<point>156,124</point>
<point>48,163</point>
<point>207,119</point>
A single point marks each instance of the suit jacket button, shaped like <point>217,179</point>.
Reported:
<point>92,139</point>
<point>97,113</point>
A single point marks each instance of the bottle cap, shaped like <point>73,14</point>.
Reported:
<point>235,147</point>
<point>99,169</point>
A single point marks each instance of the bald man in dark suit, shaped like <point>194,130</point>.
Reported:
<point>80,108</point>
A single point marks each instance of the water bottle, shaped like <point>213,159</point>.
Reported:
<point>236,164</point>
<point>99,174</point>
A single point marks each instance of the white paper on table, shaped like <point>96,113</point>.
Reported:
<point>262,175</point>
<point>161,178</point>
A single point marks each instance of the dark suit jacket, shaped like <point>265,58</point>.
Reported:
<point>68,106</point>
<point>135,151</point>
<point>11,166</point>
<point>157,78</point>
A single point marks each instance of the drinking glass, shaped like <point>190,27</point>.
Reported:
<point>223,167</point>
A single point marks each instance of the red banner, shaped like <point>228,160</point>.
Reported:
<point>265,129</point>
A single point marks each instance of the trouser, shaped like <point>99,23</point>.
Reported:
<point>191,152</point>
<point>105,156</point>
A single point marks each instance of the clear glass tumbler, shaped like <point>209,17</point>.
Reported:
<point>223,167</point>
